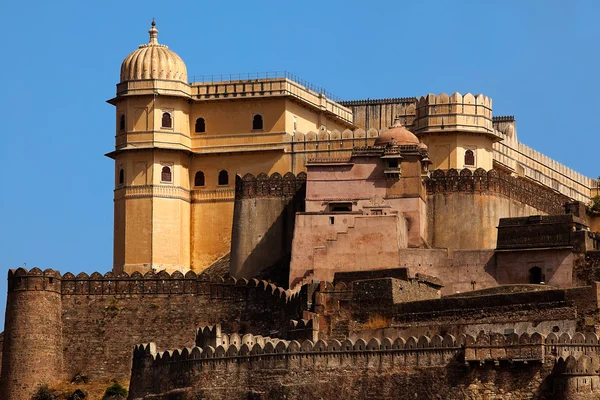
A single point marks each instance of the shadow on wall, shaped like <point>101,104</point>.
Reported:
<point>260,247</point>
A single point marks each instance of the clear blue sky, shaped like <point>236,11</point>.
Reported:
<point>537,60</point>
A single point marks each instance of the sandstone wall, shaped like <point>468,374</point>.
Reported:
<point>464,208</point>
<point>263,223</point>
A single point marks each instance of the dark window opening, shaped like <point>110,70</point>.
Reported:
<point>331,220</point>
<point>199,179</point>
<point>223,178</point>
<point>257,122</point>
<point>393,163</point>
<point>376,212</point>
<point>165,175</point>
<point>535,276</point>
<point>121,176</point>
<point>50,280</point>
<point>167,121</point>
<point>340,207</point>
<point>469,157</point>
<point>122,123</point>
<point>200,125</point>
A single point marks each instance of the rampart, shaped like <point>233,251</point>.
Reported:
<point>93,321</point>
<point>470,204</point>
<point>263,223</point>
<point>450,367</point>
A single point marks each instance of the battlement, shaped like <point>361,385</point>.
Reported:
<point>147,284</point>
<point>34,280</point>
<point>444,113</point>
<point>495,181</point>
<point>503,118</point>
<point>392,100</point>
<point>264,185</point>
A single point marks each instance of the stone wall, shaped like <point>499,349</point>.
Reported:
<point>448,367</point>
<point>263,222</point>
<point>93,321</point>
<point>464,207</point>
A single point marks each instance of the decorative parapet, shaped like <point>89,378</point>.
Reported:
<point>443,113</point>
<point>274,186</point>
<point>225,287</point>
<point>495,181</point>
<point>152,191</point>
<point>393,100</point>
<point>212,196</point>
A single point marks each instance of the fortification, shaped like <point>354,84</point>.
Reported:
<point>33,347</point>
<point>264,212</point>
<point>240,367</point>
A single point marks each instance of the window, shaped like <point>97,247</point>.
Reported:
<point>223,178</point>
<point>122,123</point>
<point>295,124</point>
<point>200,125</point>
<point>340,207</point>
<point>121,176</point>
<point>257,122</point>
<point>167,121</point>
<point>393,163</point>
<point>199,179</point>
<point>165,175</point>
<point>469,157</point>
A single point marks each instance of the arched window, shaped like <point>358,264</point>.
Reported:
<point>535,275</point>
<point>167,121</point>
<point>121,176</point>
<point>200,125</point>
<point>223,178</point>
<point>165,175</point>
<point>257,122</point>
<point>469,157</point>
<point>199,179</point>
<point>122,123</point>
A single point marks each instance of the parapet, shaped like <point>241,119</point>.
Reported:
<point>495,181</point>
<point>444,113</point>
<point>274,186</point>
<point>35,280</point>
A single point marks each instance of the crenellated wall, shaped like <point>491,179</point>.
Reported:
<point>464,207</point>
<point>274,367</point>
<point>93,321</point>
<point>263,223</point>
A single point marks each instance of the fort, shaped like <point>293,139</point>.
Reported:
<point>272,241</point>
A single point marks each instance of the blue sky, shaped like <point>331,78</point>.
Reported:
<point>538,60</point>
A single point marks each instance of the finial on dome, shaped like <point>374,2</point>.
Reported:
<point>397,122</point>
<point>153,33</point>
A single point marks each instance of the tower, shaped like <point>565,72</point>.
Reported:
<point>32,352</point>
<point>152,156</point>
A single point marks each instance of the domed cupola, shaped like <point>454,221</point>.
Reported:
<point>153,61</point>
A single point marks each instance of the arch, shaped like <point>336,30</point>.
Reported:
<point>535,275</point>
<point>223,178</point>
<point>200,125</point>
<point>469,157</point>
<point>166,120</point>
<point>257,122</point>
<point>166,174</point>
<point>122,123</point>
<point>199,179</point>
<point>121,176</point>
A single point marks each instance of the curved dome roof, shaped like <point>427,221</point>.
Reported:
<point>153,61</point>
<point>397,134</point>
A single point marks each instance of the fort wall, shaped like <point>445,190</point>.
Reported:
<point>470,204</point>
<point>414,367</point>
<point>93,321</point>
<point>264,216</point>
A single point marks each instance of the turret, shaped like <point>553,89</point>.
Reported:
<point>32,354</point>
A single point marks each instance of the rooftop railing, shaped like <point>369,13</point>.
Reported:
<point>248,76</point>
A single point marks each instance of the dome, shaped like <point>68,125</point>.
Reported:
<point>397,134</point>
<point>153,61</point>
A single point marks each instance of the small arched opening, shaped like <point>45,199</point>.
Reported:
<point>167,120</point>
<point>200,125</point>
<point>199,179</point>
<point>121,176</point>
<point>469,158</point>
<point>166,175</point>
<point>535,276</point>
<point>122,123</point>
<point>223,178</point>
<point>257,122</point>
